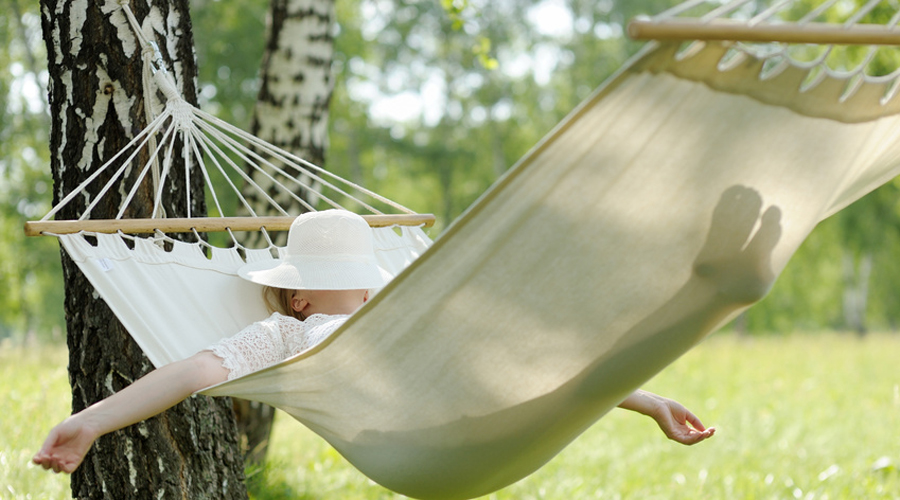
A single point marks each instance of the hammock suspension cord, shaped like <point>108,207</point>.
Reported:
<point>214,146</point>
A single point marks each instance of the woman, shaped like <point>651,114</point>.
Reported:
<point>328,268</point>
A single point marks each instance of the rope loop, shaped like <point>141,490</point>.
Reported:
<point>157,63</point>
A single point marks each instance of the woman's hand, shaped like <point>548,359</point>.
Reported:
<point>66,445</point>
<point>676,422</point>
<point>69,442</point>
<point>679,424</point>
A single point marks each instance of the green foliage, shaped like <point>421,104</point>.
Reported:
<point>36,395</point>
<point>809,293</point>
<point>229,37</point>
<point>773,400</point>
<point>30,271</point>
<point>848,57</point>
<point>483,119</point>
<point>455,9</point>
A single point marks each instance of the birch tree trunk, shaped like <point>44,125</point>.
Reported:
<point>295,90</point>
<point>96,101</point>
<point>292,113</point>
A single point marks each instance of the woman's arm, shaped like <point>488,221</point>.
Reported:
<point>68,442</point>
<point>675,420</point>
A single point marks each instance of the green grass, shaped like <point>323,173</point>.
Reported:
<point>803,416</point>
<point>34,392</point>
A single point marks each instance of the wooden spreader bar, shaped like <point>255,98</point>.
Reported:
<point>202,224</point>
<point>727,29</point>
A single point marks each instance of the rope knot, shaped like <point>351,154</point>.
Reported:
<point>167,86</point>
<point>182,113</point>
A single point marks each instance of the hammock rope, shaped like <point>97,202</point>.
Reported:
<point>208,141</point>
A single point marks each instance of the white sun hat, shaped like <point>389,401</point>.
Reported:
<point>327,250</point>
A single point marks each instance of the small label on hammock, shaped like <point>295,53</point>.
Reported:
<point>105,264</point>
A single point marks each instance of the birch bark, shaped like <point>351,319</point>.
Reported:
<point>295,90</point>
<point>96,102</point>
<point>291,112</point>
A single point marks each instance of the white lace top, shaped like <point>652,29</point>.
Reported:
<point>273,340</point>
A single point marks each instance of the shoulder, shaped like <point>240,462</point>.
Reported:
<point>292,325</point>
<point>277,318</point>
<point>319,326</point>
<point>329,321</point>
<point>324,324</point>
<point>275,324</point>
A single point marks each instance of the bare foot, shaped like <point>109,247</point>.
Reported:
<point>734,257</point>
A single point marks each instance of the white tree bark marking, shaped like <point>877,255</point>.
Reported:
<point>123,29</point>
<point>77,17</point>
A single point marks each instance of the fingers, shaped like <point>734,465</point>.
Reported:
<point>689,429</point>
<point>693,439</point>
<point>702,436</point>
<point>64,467</point>
<point>694,421</point>
<point>679,424</point>
<point>53,455</point>
<point>688,436</point>
<point>46,462</point>
<point>44,457</point>
<point>694,436</point>
<point>49,462</point>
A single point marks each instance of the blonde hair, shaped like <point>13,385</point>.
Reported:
<point>279,300</point>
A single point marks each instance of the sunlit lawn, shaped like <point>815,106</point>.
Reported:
<point>804,416</point>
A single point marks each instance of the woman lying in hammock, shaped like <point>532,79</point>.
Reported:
<point>311,295</point>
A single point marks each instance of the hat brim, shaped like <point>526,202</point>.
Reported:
<point>332,275</point>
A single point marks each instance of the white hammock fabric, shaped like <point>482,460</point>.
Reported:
<point>662,207</point>
<point>175,303</point>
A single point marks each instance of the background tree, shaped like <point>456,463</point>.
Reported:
<point>291,112</point>
<point>96,104</point>
<point>29,267</point>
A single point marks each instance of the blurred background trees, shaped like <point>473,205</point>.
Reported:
<point>30,271</point>
<point>433,101</point>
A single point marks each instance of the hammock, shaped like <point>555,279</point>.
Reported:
<point>662,207</point>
